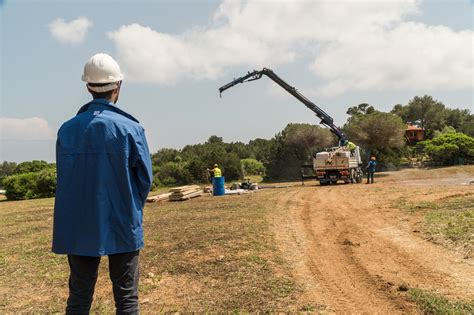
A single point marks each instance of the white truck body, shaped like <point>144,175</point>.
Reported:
<point>338,164</point>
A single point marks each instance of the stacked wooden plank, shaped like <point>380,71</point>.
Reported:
<point>185,192</point>
<point>159,197</point>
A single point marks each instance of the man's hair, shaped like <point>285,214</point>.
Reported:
<point>107,95</point>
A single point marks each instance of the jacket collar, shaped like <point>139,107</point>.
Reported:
<point>109,106</point>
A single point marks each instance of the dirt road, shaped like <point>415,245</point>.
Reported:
<point>353,251</point>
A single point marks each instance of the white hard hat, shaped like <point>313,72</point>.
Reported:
<point>102,68</point>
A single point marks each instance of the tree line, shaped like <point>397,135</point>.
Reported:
<point>449,140</point>
<point>448,135</point>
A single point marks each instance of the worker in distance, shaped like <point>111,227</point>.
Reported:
<point>104,175</point>
<point>215,172</point>
<point>351,146</point>
<point>371,170</point>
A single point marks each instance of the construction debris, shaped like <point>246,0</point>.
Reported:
<point>184,188</point>
<point>238,191</point>
<point>267,187</point>
<point>178,194</point>
<point>185,192</point>
<point>159,197</point>
<point>193,191</point>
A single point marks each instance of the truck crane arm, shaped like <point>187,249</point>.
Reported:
<point>326,120</point>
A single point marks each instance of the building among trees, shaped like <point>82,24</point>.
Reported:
<point>414,134</point>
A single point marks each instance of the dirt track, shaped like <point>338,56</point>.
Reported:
<point>353,252</point>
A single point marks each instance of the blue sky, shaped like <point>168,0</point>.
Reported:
<point>176,54</point>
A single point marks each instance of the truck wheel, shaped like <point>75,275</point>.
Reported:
<point>353,176</point>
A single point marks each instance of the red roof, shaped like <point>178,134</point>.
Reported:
<point>414,128</point>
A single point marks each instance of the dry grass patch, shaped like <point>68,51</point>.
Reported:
<point>448,221</point>
<point>430,303</point>
<point>223,248</point>
<point>31,277</point>
<point>207,254</point>
<point>440,173</point>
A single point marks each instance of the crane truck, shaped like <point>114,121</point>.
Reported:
<point>339,163</point>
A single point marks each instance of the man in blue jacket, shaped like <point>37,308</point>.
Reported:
<point>104,176</point>
<point>371,170</point>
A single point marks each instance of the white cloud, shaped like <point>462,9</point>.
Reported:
<point>33,128</point>
<point>411,55</point>
<point>151,56</point>
<point>352,45</point>
<point>73,32</point>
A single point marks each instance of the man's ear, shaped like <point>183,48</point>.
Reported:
<point>116,94</point>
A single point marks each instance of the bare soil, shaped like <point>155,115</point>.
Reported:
<point>353,251</point>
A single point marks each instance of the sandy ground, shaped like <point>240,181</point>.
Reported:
<point>353,251</point>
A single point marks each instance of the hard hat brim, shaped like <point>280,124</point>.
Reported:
<point>111,80</point>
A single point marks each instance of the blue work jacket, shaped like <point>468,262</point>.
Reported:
<point>104,176</point>
<point>371,166</point>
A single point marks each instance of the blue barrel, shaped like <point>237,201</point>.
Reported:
<point>218,187</point>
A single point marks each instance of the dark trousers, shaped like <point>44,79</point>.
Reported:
<point>124,273</point>
<point>370,176</point>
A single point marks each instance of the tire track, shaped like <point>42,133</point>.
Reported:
<point>402,257</point>
<point>352,257</point>
<point>352,288</point>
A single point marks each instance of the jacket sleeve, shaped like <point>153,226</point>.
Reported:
<point>141,165</point>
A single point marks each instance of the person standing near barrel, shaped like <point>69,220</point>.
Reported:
<point>218,181</point>
<point>216,171</point>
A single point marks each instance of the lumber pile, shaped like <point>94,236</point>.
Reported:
<point>185,192</point>
<point>178,194</point>
<point>159,197</point>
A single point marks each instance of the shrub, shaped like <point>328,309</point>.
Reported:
<point>31,185</point>
<point>20,186</point>
<point>231,167</point>
<point>449,148</point>
<point>32,167</point>
<point>6,169</point>
<point>46,183</point>
<point>172,173</point>
<point>252,167</point>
